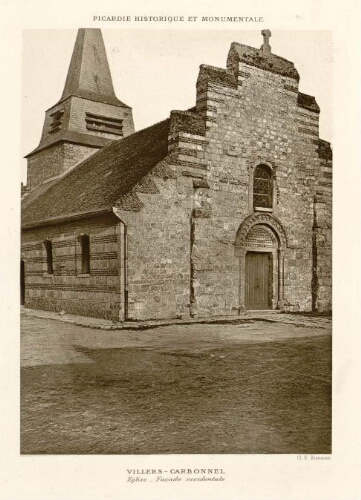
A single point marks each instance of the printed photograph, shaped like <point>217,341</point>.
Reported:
<point>176,242</point>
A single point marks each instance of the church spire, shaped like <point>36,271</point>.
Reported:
<point>89,74</point>
<point>87,117</point>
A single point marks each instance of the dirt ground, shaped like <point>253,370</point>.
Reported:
<point>260,386</point>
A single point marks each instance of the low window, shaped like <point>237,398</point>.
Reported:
<point>262,187</point>
<point>49,256</point>
<point>85,254</point>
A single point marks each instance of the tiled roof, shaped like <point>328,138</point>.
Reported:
<point>30,196</point>
<point>105,178</point>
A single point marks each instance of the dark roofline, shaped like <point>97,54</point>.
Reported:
<point>92,96</point>
<point>56,220</point>
<point>307,102</point>
<point>324,150</point>
<point>93,141</point>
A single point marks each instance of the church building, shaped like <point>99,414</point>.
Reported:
<point>220,208</point>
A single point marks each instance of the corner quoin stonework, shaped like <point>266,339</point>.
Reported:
<point>187,224</point>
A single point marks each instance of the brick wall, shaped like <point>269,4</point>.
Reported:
<point>99,294</point>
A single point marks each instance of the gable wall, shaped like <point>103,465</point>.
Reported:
<point>259,122</point>
<point>182,252</point>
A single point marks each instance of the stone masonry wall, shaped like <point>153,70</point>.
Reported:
<point>98,294</point>
<point>158,242</point>
<point>252,118</point>
<point>182,239</point>
<point>322,289</point>
<point>183,220</point>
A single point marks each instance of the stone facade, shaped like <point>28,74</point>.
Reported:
<point>189,238</point>
<point>244,117</point>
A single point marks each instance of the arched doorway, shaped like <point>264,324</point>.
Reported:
<point>22,282</point>
<point>260,245</point>
<point>260,268</point>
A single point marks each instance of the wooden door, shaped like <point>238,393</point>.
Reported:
<point>258,280</point>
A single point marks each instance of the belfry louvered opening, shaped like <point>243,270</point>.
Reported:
<point>100,123</point>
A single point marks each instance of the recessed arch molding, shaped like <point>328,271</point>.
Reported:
<point>261,218</point>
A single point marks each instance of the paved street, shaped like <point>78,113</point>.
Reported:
<point>262,385</point>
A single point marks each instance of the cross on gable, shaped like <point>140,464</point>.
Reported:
<point>266,48</point>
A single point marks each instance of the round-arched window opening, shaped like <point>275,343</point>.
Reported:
<point>262,187</point>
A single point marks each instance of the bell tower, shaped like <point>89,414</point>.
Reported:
<point>87,117</point>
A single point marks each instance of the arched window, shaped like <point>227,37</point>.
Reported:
<point>49,256</point>
<point>262,187</point>
<point>85,254</point>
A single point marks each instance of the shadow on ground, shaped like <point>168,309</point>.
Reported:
<point>271,397</point>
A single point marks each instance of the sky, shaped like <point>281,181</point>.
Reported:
<point>155,71</point>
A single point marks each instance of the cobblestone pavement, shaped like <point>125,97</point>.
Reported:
<point>48,338</point>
